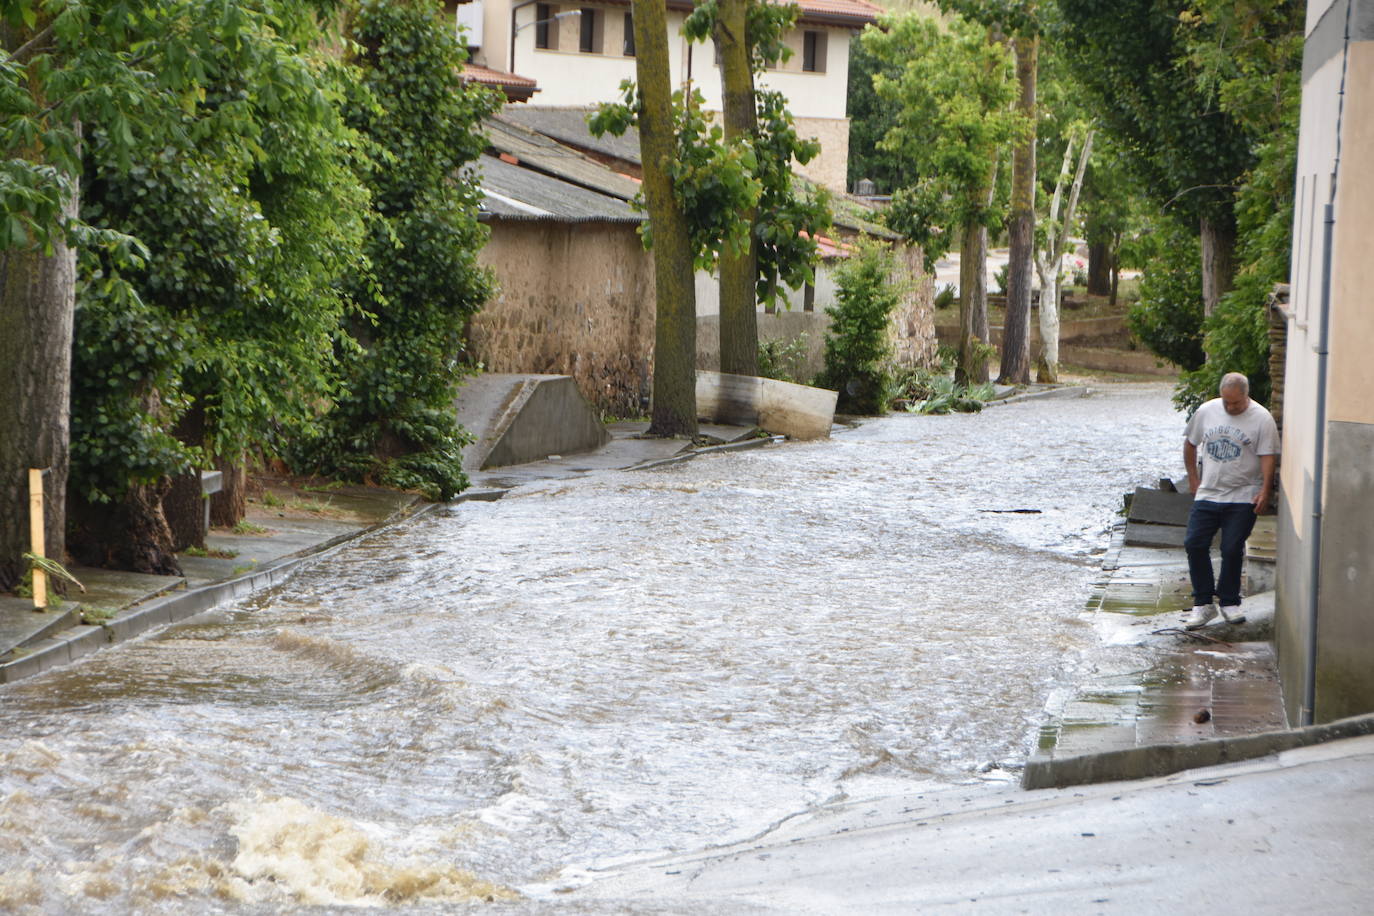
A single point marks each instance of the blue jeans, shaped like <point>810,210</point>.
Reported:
<point>1234,521</point>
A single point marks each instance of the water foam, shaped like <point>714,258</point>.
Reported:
<point>320,859</point>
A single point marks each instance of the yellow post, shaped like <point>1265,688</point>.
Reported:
<point>40,578</point>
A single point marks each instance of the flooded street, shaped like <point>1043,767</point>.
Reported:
<point>493,699</point>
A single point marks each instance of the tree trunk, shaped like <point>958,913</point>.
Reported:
<point>184,505</point>
<point>230,504</point>
<point>675,328</point>
<point>1047,365</point>
<point>1099,265</point>
<point>972,365</point>
<point>1015,368</point>
<point>131,534</point>
<point>739,324</point>
<point>1218,259</point>
<point>39,296</point>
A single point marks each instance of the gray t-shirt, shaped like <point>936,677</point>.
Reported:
<point>1228,450</point>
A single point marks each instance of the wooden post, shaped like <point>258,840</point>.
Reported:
<point>40,578</point>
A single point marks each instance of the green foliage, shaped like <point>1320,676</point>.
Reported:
<point>715,182</point>
<point>952,91</point>
<point>790,213</point>
<point>248,212</point>
<point>946,297</point>
<point>1249,54</point>
<point>937,393</point>
<point>870,118</point>
<point>402,359</point>
<point>783,359</point>
<point>858,347</point>
<point>1188,156</point>
<point>1168,316</point>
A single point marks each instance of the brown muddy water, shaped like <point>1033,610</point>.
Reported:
<point>498,698</point>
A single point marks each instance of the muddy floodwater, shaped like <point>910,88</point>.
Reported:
<point>496,699</point>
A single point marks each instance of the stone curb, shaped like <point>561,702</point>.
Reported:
<point>1162,759</point>
<point>1070,391</point>
<point>174,606</point>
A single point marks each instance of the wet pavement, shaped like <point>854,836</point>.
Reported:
<point>1147,680</point>
<point>497,698</point>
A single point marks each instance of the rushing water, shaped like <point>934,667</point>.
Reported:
<point>496,696</point>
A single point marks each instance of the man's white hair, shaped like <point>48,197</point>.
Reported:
<point>1234,380</point>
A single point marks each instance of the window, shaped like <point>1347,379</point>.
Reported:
<point>545,27</point>
<point>629,47</point>
<point>813,52</point>
<point>589,40</point>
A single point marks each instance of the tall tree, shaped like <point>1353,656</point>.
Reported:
<point>226,345</point>
<point>778,245</point>
<point>675,327</point>
<point>953,90</point>
<point>1189,152</point>
<point>1049,261</point>
<point>1020,20</point>
<point>739,332</point>
<point>1015,368</point>
<point>69,67</point>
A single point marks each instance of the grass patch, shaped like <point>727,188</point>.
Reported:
<point>213,552</point>
<point>243,526</point>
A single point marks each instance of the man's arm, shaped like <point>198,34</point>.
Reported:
<point>1190,463</point>
<point>1267,463</point>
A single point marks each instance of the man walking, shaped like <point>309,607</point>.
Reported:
<point>1230,450</point>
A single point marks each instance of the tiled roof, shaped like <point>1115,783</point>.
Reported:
<point>854,13</point>
<point>536,151</point>
<point>515,193</point>
<point>569,125</point>
<point>516,87</point>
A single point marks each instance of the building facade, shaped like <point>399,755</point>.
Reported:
<point>577,55</point>
<point>1325,590</point>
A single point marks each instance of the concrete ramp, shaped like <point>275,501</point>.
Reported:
<point>521,418</point>
<point>796,411</point>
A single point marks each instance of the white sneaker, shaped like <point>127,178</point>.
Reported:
<point>1200,616</point>
<point>1232,614</point>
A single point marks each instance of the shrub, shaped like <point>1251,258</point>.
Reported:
<point>858,349</point>
<point>783,360</point>
<point>1168,316</point>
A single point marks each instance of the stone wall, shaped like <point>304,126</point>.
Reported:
<point>830,167</point>
<point>575,299</point>
<point>913,328</point>
<point>913,324</point>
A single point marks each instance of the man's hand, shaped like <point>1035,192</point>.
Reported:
<point>1262,501</point>
<point>1190,464</point>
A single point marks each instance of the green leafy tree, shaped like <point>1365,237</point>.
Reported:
<point>1248,55</point>
<point>403,357</point>
<point>953,90</point>
<point>1188,153</point>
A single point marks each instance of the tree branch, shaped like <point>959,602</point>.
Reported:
<point>31,47</point>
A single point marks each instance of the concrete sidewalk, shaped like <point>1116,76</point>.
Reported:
<point>1148,681</point>
<point>1288,833</point>
<point>288,527</point>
